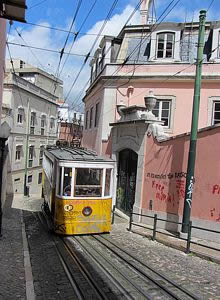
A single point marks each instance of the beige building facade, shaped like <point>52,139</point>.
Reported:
<point>29,107</point>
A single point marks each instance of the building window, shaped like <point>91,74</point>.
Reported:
<point>32,124</point>
<point>101,63</point>
<point>17,179</point>
<point>22,64</point>
<point>216,113</point>
<point>20,116</point>
<point>96,114</point>
<point>29,179</point>
<point>43,123</point>
<point>162,111</point>
<point>39,178</point>
<point>41,155</point>
<point>165,45</point>
<point>87,116</point>
<point>31,156</point>
<point>18,153</point>
<point>52,123</point>
<point>91,117</point>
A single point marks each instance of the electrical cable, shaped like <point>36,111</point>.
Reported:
<point>93,45</point>
<point>211,3</point>
<point>148,35</point>
<point>37,4</point>
<point>83,23</point>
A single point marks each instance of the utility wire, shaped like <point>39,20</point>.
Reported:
<point>37,4</point>
<point>19,34</point>
<point>76,34</point>
<point>211,3</point>
<point>136,8</point>
<point>93,45</point>
<point>65,43</point>
<point>146,36</point>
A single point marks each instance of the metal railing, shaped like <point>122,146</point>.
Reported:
<point>189,233</point>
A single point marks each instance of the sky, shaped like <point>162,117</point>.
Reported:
<point>60,13</point>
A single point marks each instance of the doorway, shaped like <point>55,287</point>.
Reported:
<point>126,184</point>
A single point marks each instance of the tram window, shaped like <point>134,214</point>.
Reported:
<point>88,182</point>
<point>60,178</point>
<point>107,182</point>
<point>67,180</point>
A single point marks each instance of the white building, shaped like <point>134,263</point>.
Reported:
<point>29,107</point>
<point>66,114</point>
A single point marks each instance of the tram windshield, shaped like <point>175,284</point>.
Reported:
<point>88,182</point>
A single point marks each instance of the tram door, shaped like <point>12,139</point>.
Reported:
<point>126,184</point>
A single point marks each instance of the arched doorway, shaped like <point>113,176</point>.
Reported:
<point>126,184</point>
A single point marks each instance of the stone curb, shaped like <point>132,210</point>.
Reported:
<point>30,295</point>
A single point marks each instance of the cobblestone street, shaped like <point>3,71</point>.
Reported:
<point>50,282</point>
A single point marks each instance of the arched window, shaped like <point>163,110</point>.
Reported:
<point>165,45</point>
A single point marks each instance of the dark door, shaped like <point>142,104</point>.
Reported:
<point>127,171</point>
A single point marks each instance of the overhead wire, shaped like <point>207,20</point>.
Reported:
<point>93,45</point>
<point>66,40</point>
<point>148,35</point>
<point>76,34</point>
<point>37,4</point>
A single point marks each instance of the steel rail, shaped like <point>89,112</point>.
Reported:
<point>85,273</point>
<point>72,281</point>
<point>150,268</point>
<point>104,268</point>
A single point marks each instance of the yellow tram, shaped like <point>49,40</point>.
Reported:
<point>77,189</point>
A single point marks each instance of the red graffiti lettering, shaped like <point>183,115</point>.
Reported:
<point>216,189</point>
<point>212,212</point>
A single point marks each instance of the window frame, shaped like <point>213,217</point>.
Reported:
<point>30,156</point>
<point>41,154</point>
<point>18,152</point>
<point>96,114</point>
<point>165,45</point>
<point>91,117</point>
<point>32,122</point>
<point>19,117</point>
<point>86,120</point>
<point>60,176</point>
<point>43,124</point>
<point>172,100</point>
<point>214,111</point>
<point>30,176</point>
<point>40,178</point>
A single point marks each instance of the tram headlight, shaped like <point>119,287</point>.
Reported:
<point>87,211</point>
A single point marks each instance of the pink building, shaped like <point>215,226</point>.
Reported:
<point>152,171</point>
<point>144,58</point>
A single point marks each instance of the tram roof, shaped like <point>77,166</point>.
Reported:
<point>76,153</point>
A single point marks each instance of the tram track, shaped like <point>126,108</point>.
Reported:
<point>98,268</point>
<point>83,284</point>
<point>149,282</point>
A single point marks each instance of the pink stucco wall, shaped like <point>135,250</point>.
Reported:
<point>2,58</point>
<point>182,93</point>
<point>165,171</point>
<point>160,79</point>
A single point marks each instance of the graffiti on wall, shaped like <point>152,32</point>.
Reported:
<point>214,212</point>
<point>170,188</point>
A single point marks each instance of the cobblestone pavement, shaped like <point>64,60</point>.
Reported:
<point>197,275</point>
<point>12,274</point>
<point>50,282</point>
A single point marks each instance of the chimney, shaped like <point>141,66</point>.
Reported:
<point>144,8</point>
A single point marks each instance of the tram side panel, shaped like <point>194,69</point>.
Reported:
<point>82,216</point>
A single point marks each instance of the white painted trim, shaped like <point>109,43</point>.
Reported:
<point>103,181</point>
